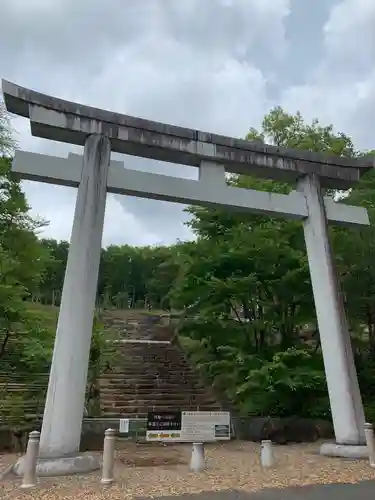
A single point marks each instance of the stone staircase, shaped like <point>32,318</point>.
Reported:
<point>152,374</point>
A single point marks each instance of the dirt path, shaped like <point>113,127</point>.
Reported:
<point>156,470</point>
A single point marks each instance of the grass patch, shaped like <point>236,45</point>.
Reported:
<point>46,314</point>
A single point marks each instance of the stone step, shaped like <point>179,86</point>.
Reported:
<point>130,355</point>
<point>152,386</point>
<point>139,409</point>
<point>156,333</point>
<point>143,399</point>
<point>153,399</point>
<point>138,325</point>
<point>127,376</point>
<point>147,345</point>
<point>150,374</point>
<point>132,415</point>
<point>140,412</point>
<point>149,368</point>
<point>147,375</point>
<point>127,408</point>
<point>144,367</point>
<point>151,371</point>
<point>146,405</point>
<point>128,412</point>
<point>144,348</point>
<point>135,362</point>
<point>129,391</point>
<point>147,357</point>
<point>165,344</point>
<point>141,329</point>
<point>128,359</point>
<point>131,377</point>
<point>148,371</point>
<point>157,357</point>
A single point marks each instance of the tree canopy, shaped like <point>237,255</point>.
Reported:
<point>242,288</point>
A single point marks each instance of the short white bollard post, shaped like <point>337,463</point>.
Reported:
<point>369,435</point>
<point>197,457</point>
<point>108,456</point>
<point>266,454</point>
<point>31,458</point>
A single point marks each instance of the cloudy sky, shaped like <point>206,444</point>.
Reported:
<point>215,65</point>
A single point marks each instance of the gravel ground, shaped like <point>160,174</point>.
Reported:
<point>154,470</point>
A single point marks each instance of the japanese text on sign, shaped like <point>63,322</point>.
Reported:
<point>188,426</point>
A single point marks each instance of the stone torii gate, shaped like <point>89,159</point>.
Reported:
<point>101,132</point>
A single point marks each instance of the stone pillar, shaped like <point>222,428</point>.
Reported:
<point>267,458</point>
<point>197,461</point>
<point>344,394</point>
<point>62,421</point>
<point>108,456</point>
<point>29,478</point>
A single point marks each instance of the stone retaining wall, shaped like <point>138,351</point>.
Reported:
<point>279,430</point>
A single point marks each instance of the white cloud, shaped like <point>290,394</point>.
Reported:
<point>157,59</point>
<point>206,65</point>
<point>349,32</point>
<point>119,225</point>
<point>341,89</point>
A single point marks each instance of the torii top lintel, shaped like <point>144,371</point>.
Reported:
<point>66,121</point>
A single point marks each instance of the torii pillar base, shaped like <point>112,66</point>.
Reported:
<point>82,463</point>
<point>343,388</point>
<point>344,450</point>
<point>62,421</point>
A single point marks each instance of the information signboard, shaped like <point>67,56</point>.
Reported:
<point>188,426</point>
<point>124,426</point>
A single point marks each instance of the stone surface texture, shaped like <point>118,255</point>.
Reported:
<point>344,394</point>
<point>210,190</point>
<point>163,471</point>
<point>344,450</point>
<point>65,466</point>
<point>62,421</point>
<point>66,121</point>
<point>281,430</point>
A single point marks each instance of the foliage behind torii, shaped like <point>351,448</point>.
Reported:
<point>242,287</point>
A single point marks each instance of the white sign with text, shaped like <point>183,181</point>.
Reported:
<point>194,426</point>
<point>124,425</point>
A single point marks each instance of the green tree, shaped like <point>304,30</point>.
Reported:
<point>7,143</point>
<point>247,285</point>
<point>355,248</point>
<point>51,285</point>
<point>21,256</point>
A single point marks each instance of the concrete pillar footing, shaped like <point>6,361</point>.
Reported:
<point>197,461</point>
<point>82,463</point>
<point>353,451</point>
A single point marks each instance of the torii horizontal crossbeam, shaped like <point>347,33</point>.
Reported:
<point>70,122</point>
<point>67,172</point>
